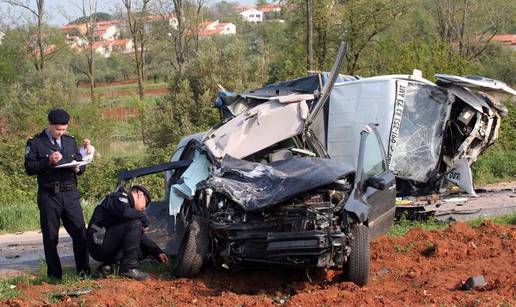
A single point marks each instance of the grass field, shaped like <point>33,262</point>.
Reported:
<point>403,226</point>
<point>25,216</point>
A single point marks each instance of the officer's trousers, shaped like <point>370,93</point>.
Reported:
<point>65,206</point>
<point>121,243</point>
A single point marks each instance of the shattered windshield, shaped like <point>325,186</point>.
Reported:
<point>417,145</point>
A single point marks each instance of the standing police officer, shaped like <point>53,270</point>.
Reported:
<point>58,197</point>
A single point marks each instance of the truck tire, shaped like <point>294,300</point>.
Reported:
<point>193,250</point>
<point>356,268</point>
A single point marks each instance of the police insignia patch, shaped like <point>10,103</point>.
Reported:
<point>123,199</point>
<point>27,150</point>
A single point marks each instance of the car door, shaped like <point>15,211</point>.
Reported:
<point>376,182</point>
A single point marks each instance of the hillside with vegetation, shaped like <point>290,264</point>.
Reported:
<point>136,106</point>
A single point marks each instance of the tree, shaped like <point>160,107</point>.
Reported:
<point>309,36</point>
<point>224,10</point>
<point>88,9</point>
<point>363,22</point>
<point>40,52</point>
<point>183,36</point>
<point>13,60</point>
<point>469,25</point>
<point>261,3</point>
<point>189,107</point>
<point>99,16</point>
<point>136,25</point>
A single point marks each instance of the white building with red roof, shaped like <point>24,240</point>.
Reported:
<point>211,28</point>
<point>252,15</point>
<point>106,32</point>
<point>271,8</point>
<point>106,48</point>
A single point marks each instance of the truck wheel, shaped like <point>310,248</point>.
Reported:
<point>356,268</point>
<point>193,250</point>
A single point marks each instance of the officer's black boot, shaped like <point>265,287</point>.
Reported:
<point>103,270</point>
<point>129,262</point>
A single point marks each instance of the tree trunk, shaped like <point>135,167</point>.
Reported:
<point>141,73</point>
<point>40,63</point>
<point>309,36</point>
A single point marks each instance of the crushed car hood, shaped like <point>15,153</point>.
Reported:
<point>278,119</point>
<point>255,186</point>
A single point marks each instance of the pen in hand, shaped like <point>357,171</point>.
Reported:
<point>54,157</point>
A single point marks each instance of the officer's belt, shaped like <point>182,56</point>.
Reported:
<point>58,186</point>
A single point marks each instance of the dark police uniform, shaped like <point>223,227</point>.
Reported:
<point>58,198</point>
<point>115,232</point>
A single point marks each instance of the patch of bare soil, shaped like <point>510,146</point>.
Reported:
<point>120,93</point>
<point>112,83</point>
<point>420,268</point>
<point>120,113</point>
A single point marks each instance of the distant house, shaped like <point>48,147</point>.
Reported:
<point>252,15</point>
<point>124,46</point>
<point>102,48</point>
<point>76,42</point>
<point>508,40</point>
<point>105,32</point>
<point>75,29</point>
<point>106,48</point>
<point>271,8</point>
<point>211,28</point>
<point>241,8</point>
<point>47,50</point>
<point>171,18</point>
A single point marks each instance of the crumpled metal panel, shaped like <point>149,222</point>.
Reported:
<point>256,186</point>
<point>258,128</point>
<point>195,173</point>
<point>421,130</point>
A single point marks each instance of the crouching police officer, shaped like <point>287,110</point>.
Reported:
<point>116,233</point>
<point>58,197</point>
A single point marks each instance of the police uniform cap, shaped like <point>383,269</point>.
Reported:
<point>143,190</point>
<point>58,117</point>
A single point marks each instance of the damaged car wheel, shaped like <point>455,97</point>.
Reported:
<point>356,268</point>
<point>193,250</point>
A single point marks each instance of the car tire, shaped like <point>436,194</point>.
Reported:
<point>356,268</point>
<point>193,250</point>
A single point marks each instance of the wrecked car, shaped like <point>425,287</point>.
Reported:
<point>261,190</point>
<point>304,173</point>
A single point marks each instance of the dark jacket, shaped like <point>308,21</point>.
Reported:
<point>117,208</point>
<point>37,152</point>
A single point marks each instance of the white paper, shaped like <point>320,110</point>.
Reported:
<point>73,164</point>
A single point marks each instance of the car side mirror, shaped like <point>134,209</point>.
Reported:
<point>376,182</point>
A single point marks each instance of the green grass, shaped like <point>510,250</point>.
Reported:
<point>19,216</point>
<point>509,219</point>
<point>401,227</point>
<point>24,216</point>
<point>495,166</point>
<point>121,149</point>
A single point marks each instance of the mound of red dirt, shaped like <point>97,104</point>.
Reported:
<point>420,268</point>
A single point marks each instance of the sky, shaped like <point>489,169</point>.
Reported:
<point>63,11</point>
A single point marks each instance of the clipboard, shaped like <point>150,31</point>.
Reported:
<point>72,164</point>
